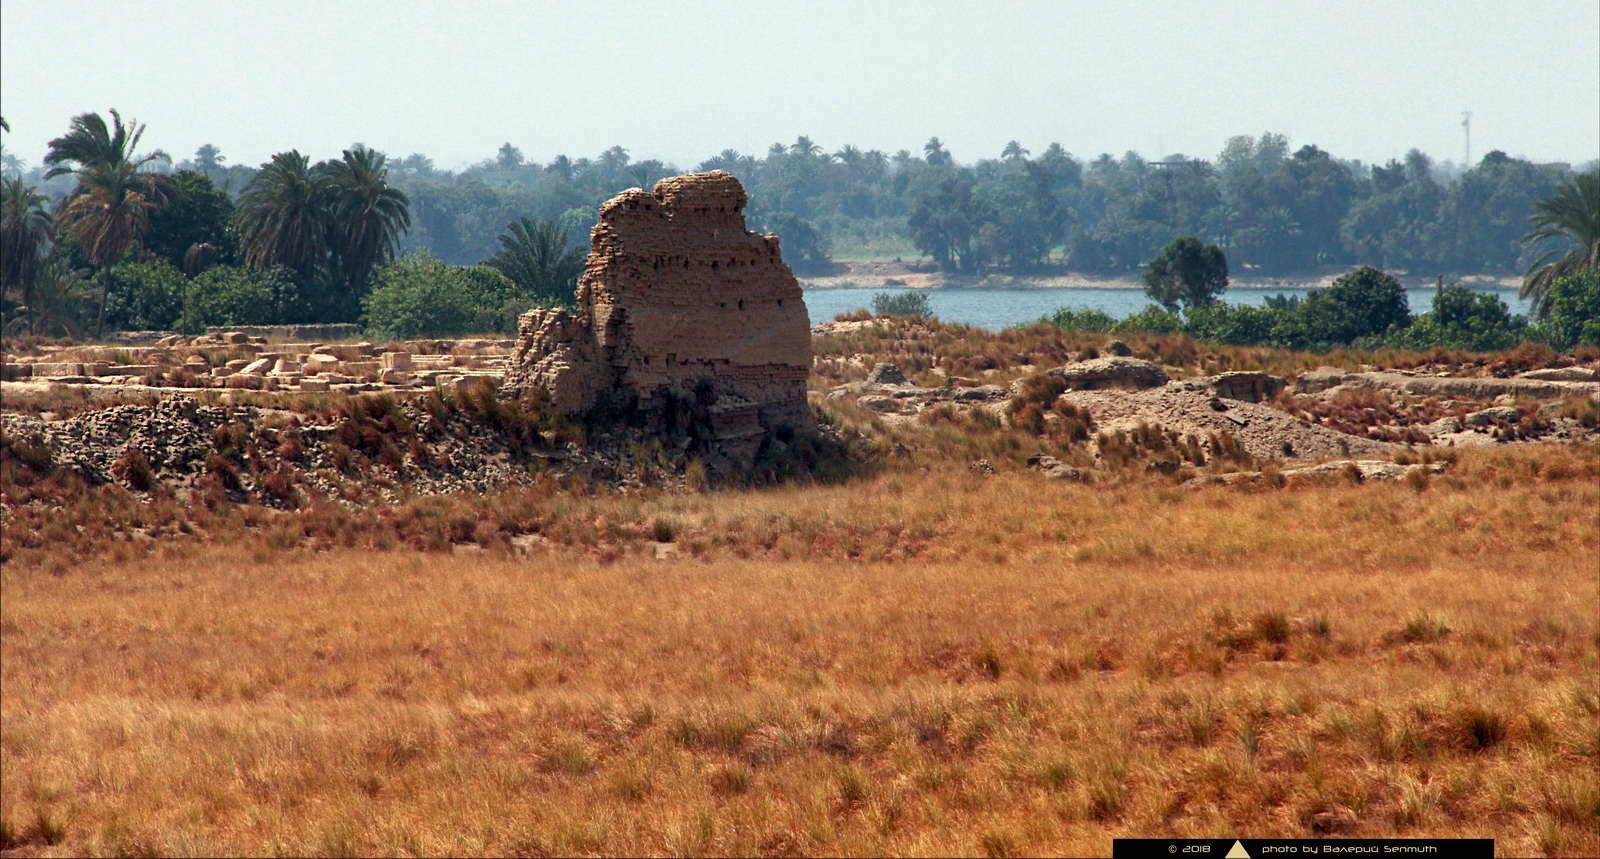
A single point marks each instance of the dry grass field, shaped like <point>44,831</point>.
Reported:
<point>920,661</point>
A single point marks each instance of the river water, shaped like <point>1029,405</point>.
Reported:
<point>995,309</point>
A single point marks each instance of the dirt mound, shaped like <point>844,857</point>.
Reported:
<point>1264,432</point>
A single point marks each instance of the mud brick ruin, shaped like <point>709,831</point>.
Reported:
<point>679,300</point>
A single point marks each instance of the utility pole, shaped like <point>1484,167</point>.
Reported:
<point>1466,130</point>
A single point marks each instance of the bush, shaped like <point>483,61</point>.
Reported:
<point>420,295</point>
<point>1150,320</point>
<point>144,296</point>
<point>1572,312</point>
<point>902,304</point>
<point>1081,320</point>
<point>1233,324</point>
<point>1462,319</point>
<point>231,295</point>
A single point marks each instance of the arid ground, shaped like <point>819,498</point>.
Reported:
<point>919,657</point>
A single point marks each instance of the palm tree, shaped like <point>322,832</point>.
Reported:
<point>1571,213</point>
<point>1013,151</point>
<point>282,218</point>
<point>934,152</point>
<point>368,215</point>
<point>24,237</point>
<point>803,145</point>
<point>59,295</point>
<point>89,144</point>
<point>535,257</point>
<point>109,211</point>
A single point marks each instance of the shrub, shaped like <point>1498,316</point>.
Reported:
<point>1151,320</point>
<point>231,295</point>
<point>1462,319</point>
<point>421,296</point>
<point>1234,324</point>
<point>902,304</point>
<point>144,296</point>
<point>1572,312</point>
<point>1081,320</point>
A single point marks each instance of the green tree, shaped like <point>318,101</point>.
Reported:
<point>25,236</point>
<point>1571,215</point>
<point>945,224</point>
<point>282,217</point>
<point>198,213</point>
<point>145,296</point>
<point>1363,303</point>
<point>109,212</point>
<point>535,256</point>
<point>367,214</point>
<point>1572,310</point>
<point>234,295</point>
<point>419,295</point>
<point>1188,273</point>
<point>1464,319</point>
<point>62,298</point>
<point>805,249</point>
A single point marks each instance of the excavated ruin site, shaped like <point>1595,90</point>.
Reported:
<point>689,342</point>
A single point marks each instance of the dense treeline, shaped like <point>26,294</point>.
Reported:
<point>1272,209</point>
<point>204,242</point>
<point>1368,309</point>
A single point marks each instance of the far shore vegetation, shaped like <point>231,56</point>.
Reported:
<point>107,233</point>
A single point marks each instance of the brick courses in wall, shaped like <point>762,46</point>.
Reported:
<point>677,293</point>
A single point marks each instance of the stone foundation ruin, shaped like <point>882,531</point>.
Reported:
<point>679,303</point>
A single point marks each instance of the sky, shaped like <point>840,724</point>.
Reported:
<point>682,81</point>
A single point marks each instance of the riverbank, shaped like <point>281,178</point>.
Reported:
<point>878,274</point>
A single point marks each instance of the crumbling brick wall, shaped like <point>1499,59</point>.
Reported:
<point>677,297</point>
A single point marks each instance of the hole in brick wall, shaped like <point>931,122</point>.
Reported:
<point>780,302</point>
<point>715,265</point>
<point>722,304</point>
<point>741,304</point>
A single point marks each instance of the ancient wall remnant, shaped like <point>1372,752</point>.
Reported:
<point>677,297</point>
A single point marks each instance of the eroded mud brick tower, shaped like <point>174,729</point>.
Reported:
<point>678,298</point>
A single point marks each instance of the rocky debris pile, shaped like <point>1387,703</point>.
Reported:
<point>1113,372</point>
<point>887,392</point>
<point>1189,409</point>
<point>1053,468</point>
<point>679,303</point>
<point>1358,470</point>
<point>1249,386</point>
<point>1562,374</point>
<point>1538,384</point>
<point>240,361</point>
<point>375,448</point>
<point>885,373</point>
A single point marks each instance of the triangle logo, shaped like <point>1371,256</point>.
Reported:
<point>1237,851</point>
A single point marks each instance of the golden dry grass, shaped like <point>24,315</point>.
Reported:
<point>1045,667</point>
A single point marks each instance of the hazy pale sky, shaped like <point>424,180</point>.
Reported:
<point>682,81</point>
